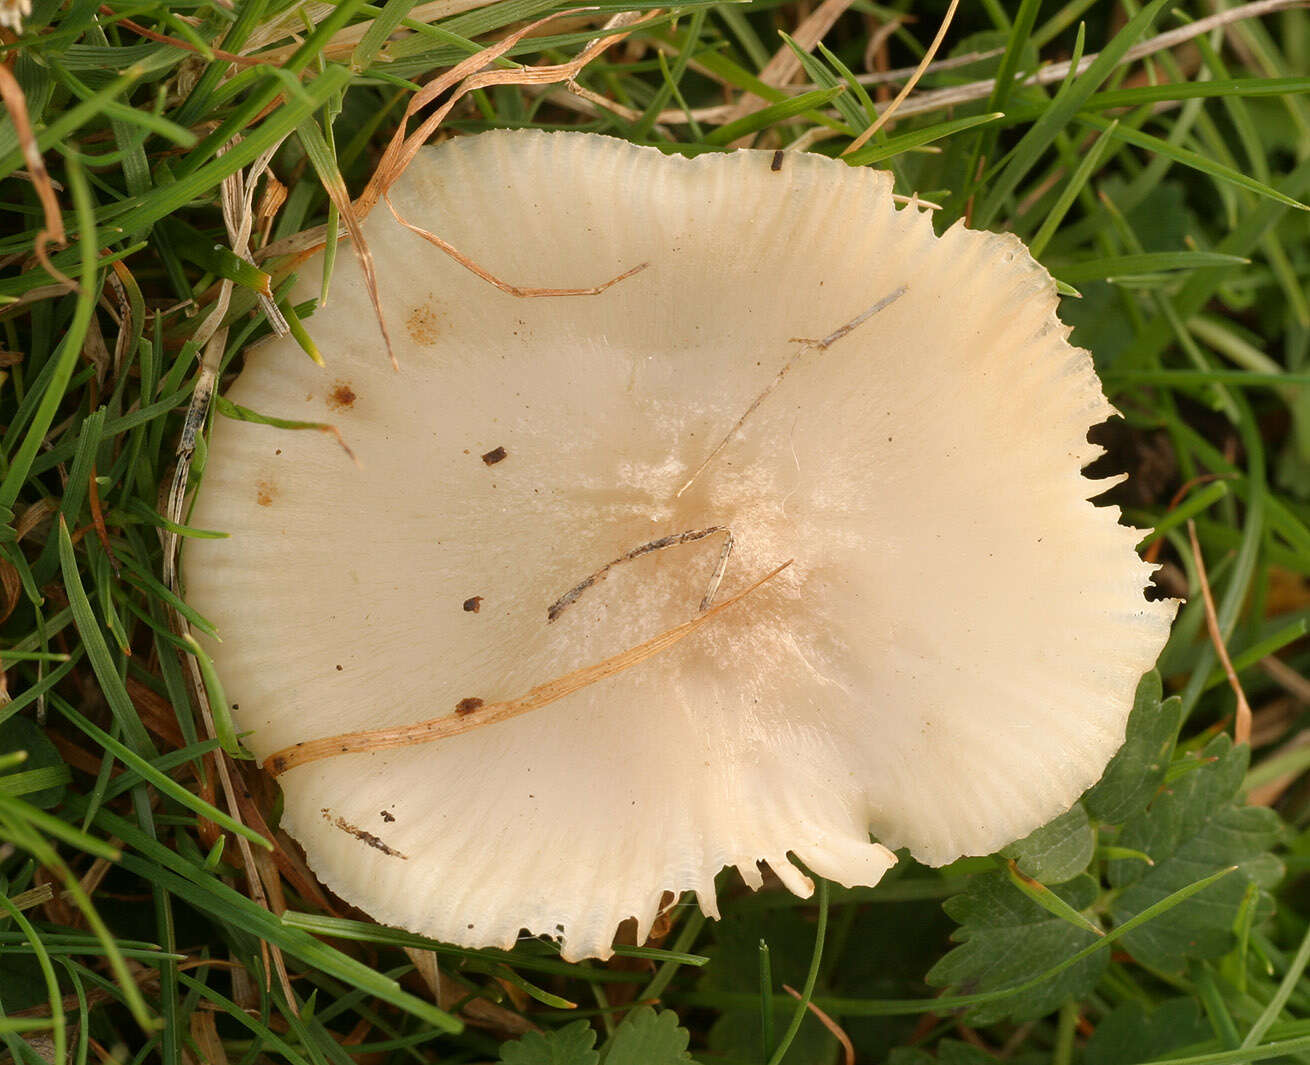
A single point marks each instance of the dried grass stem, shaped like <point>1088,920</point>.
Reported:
<point>483,714</point>
<point>1242,722</point>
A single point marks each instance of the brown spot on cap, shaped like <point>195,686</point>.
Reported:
<point>387,817</point>
<point>473,604</point>
<point>776,165</point>
<point>264,493</point>
<point>495,455</point>
<point>467,706</point>
<point>342,396</point>
<point>423,325</point>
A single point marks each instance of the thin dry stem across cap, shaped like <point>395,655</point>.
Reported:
<point>948,662</point>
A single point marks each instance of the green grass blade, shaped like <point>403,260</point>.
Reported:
<point>163,783</point>
<point>66,356</point>
<point>1143,263</point>
<point>115,691</point>
<point>773,114</point>
<point>1195,160</point>
<point>811,977</point>
<point>1066,104</point>
<point>904,142</point>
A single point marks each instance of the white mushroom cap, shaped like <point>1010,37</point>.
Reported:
<point>949,661</point>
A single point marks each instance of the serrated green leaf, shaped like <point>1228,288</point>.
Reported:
<point>1136,772</point>
<point>1059,850</point>
<point>910,1056</point>
<point>648,1038</point>
<point>1006,939</point>
<point>1131,1034</point>
<point>1181,810</point>
<point>570,1045</point>
<point>1194,828</point>
<point>948,1052</point>
<point>958,1052</point>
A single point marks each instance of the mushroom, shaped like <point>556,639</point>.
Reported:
<point>584,507</point>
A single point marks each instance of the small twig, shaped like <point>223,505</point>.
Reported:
<point>1271,791</point>
<point>43,258</point>
<point>471,74</point>
<point>857,321</point>
<point>1292,682</point>
<point>454,84</point>
<point>1153,551</point>
<point>1017,1039</point>
<point>237,192</point>
<point>335,187</point>
<point>11,92</point>
<point>915,202</point>
<point>236,195</point>
<point>971,1037</point>
<point>881,78</point>
<point>291,22</point>
<point>887,112</point>
<point>16,104</point>
<point>1242,721</point>
<point>238,202</point>
<point>848,1048</point>
<point>491,279</point>
<point>477,714</point>
<point>805,346</point>
<point>875,54</point>
<point>675,540</point>
<point>447,992</point>
<point>97,516</point>
<point>939,99</point>
<point>595,99</point>
<point>196,414</point>
<point>187,46</point>
<point>784,65</point>
<point>114,282</point>
<point>404,146</point>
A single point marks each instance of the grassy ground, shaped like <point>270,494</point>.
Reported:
<point>142,918</point>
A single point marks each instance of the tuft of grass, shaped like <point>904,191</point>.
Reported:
<point>164,171</point>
